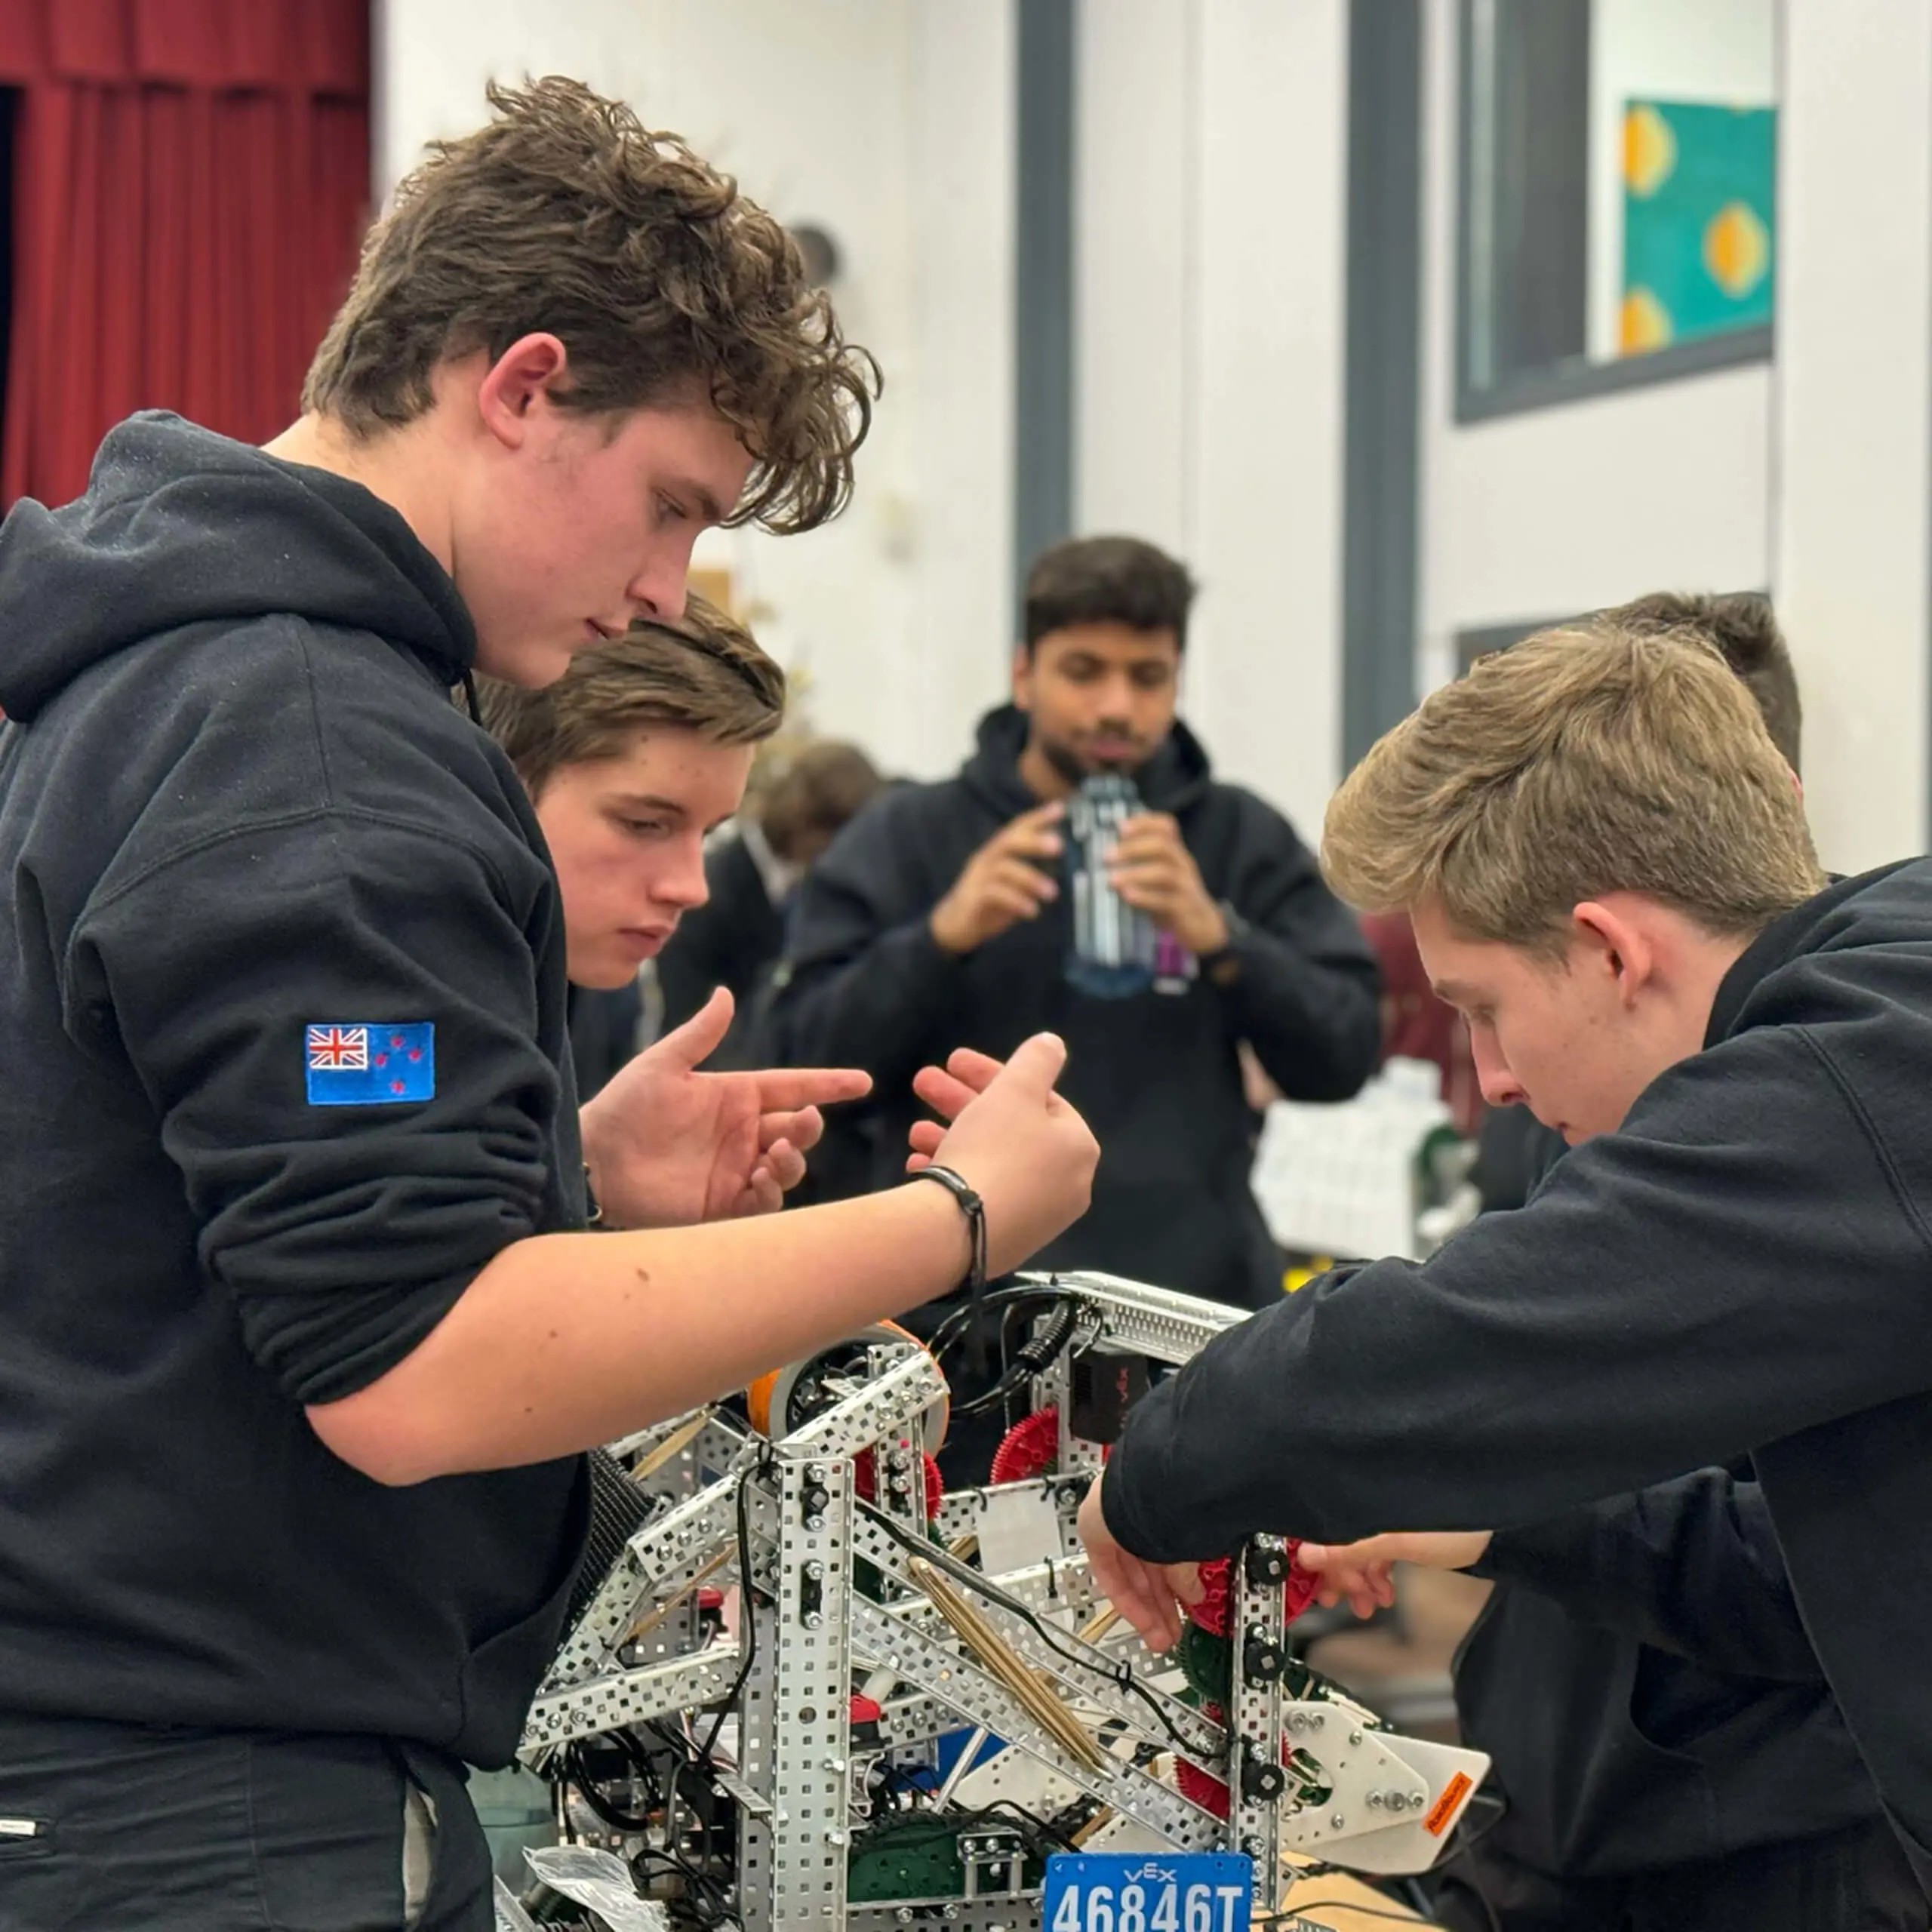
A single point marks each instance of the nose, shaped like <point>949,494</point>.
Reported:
<point>658,590</point>
<point>1500,1087</point>
<point>685,886</point>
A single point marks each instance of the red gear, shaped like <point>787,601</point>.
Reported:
<point>1028,1448</point>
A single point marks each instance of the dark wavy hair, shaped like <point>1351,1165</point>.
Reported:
<point>563,213</point>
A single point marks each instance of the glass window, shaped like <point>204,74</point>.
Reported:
<point>1618,211</point>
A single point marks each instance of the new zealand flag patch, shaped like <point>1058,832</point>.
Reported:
<point>361,1063</point>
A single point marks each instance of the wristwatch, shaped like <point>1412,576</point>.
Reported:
<point>1224,954</point>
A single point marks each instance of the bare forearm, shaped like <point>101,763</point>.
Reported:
<point>564,1341</point>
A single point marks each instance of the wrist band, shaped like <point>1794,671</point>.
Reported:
<point>974,1209</point>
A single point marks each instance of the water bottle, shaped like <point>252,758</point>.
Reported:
<point>1115,945</point>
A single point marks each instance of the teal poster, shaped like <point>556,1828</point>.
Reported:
<point>1700,183</point>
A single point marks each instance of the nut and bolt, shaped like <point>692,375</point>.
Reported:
<point>814,1620</point>
<point>814,1570</point>
<point>836,1835</point>
<point>815,1522</point>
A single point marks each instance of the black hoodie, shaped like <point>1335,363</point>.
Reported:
<point>1156,1076</point>
<point>236,805</point>
<point>1744,1267</point>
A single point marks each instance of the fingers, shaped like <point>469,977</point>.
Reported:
<point>1184,1579</point>
<point>925,1136</point>
<point>1035,833</point>
<point>1139,1591</point>
<point>699,1038</point>
<point>803,1129</point>
<point>978,1070</point>
<point>785,1164</point>
<point>947,1096</point>
<point>1036,1064</point>
<point>784,1089</point>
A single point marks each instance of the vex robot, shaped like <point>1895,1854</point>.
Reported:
<point>919,1698</point>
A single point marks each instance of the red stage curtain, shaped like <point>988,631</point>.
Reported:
<point>191,183</point>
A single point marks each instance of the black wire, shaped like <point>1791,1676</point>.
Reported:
<point>948,1332</point>
<point>1120,1676</point>
<point>747,1612</point>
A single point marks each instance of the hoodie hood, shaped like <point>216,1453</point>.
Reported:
<point>1171,781</point>
<point>179,526</point>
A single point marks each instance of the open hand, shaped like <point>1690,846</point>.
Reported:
<point>1024,1149</point>
<point>1362,1571</point>
<point>669,1146</point>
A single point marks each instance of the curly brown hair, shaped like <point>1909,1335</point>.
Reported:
<point>565,213</point>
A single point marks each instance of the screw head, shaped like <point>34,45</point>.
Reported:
<point>835,1836</point>
<point>1339,1820</point>
<point>1375,1801</point>
<point>1355,1738</point>
<point>904,1915</point>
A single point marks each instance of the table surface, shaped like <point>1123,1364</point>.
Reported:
<point>1328,1899</point>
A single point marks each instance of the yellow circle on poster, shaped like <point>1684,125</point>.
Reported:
<point>1643,323</point>
<point>1737,249</point>
<point>1649,150</point>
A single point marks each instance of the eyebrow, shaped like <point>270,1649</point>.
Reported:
<point>1452,993</point>
<point>707,504</point>
<point>649,801</point>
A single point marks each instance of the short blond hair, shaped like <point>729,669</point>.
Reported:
<point>1592,758</point>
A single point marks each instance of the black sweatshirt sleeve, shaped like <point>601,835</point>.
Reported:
<point>343,1232</point>
<point>1731,1267</point>
<point>866,983</point>
<point>1307,995</point>
<point>1692,1566</point>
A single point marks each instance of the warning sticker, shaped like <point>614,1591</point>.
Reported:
<point>1443,1811</point>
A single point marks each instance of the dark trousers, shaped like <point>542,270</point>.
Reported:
<point>1855,1880</point>
<point>146,1830</point>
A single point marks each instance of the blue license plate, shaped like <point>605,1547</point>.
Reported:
<point>1193,1891</point>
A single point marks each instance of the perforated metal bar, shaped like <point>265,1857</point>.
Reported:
<point>979,1698</point>
<point>810,1786</point>
<point>629,1697</point>
<point>893,1405</point>
<point>1258,1787</point>
<point>660,1558</point>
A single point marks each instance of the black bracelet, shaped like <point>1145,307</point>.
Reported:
<point>974,1209</point>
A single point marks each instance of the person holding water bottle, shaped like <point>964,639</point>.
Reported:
<point>1085,871</point>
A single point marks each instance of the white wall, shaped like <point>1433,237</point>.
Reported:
<point>1560,510</point>
<point>1854,413</point>
<point>889,125</point>
<point>1210,193</point>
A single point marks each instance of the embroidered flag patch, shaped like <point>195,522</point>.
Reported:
<point>364,1063</point>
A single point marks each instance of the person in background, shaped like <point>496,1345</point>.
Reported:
<point>735,939</point>
<point>939,915</point>
<point>599,752</point>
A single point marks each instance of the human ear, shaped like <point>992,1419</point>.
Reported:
<point>526,374</point>
<point>1022,678</point>
<point>1608,932</point>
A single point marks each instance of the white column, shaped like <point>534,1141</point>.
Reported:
<point>1853,414</point>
